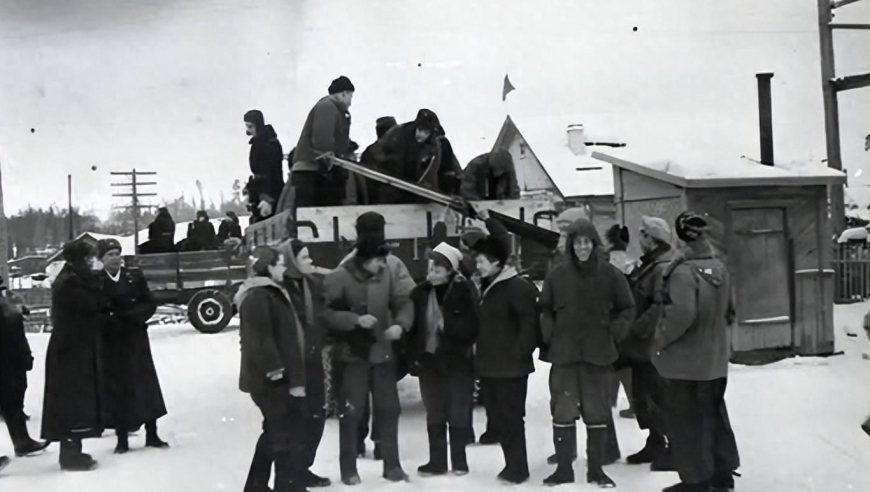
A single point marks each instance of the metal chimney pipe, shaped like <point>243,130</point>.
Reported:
<point>765,118</point>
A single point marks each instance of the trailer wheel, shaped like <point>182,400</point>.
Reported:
<point>210,311</point>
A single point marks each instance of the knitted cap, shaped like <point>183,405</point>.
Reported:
<point>493,249</point>
<point>341,84</point>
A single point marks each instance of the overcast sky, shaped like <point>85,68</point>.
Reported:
<point>162,85</point>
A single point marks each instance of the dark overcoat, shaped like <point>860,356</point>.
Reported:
<point>79,310</point>
<point>131,394</point>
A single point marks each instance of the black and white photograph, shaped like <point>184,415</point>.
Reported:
<point>299,245</point>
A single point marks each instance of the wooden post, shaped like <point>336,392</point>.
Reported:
<point>4,238</point>
<point>72,223</point>
<point>832,112</point>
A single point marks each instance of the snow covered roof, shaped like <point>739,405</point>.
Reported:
<point>722,171</point>
<point>92,238</point>
<point>573,175</point>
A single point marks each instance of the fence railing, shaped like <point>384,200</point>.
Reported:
<point>852,272</point>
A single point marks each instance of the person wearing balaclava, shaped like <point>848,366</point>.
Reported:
<point>266,161</point>
<point>326,131</point>
<point>691,350</point>
<point>587,308</point>
<point>71,405</point>
<point>441,352</point>
<point>131,394</point>
<point>366,311</point>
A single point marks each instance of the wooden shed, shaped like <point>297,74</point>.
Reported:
<point>771,227</point>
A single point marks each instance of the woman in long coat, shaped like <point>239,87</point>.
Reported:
<point>131,391</point>
<point>71,409</point>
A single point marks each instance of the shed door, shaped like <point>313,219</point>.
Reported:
<point>761,267</point>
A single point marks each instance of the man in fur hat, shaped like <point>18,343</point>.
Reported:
<point>79,310</point>
<point>506,340</point>
<point>131,389</point>
<point>366,310</point>
<point>326,131</point>
<point>691,351</point>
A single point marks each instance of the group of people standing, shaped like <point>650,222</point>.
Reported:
<point>476,318</point>
<point>99,371</point>
<point>416,152</point>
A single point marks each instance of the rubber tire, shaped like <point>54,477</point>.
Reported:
<point>210,311</point>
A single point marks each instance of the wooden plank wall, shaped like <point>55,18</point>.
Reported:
<point>638,196</point>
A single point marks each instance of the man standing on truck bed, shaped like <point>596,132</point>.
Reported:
<point>326,130</point>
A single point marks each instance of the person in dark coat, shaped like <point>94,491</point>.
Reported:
<point>161,234</point>
<point>506,340</point>
<point>490,176</point>
<point>200,233</point>
<point>266,158</point>
<point>16,361</point>
<point>79,310</point>
<point>372,188</point>
<point>326,131</point>
<point>586,309</point>
<point>306,292</point>
<point>635,352</point>
<point>417,152</point>
<point>229,228</point>
<point>441,341</point>
<point>131,393</point>
<point>367,311</point>
<point>273,372</point>
<point>691,350</point>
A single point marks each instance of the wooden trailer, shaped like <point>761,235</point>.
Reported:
<point>771,227</point>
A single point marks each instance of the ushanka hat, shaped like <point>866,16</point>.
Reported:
<point>76,251</point>
<point>106,245</point>
<point>493,249</point>
<point>690,226</point>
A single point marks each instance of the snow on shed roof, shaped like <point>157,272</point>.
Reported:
<point>574,175</point>
<point>721,171</point>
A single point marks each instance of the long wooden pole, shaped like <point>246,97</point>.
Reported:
<point>832,112</point>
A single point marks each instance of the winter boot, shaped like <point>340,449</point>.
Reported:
<point>437,452</point>
<point>655,446</point>
<point>4,462</point>
<point>396,475</point>
<point>378,453</point>
<point>152,440</point>
<point>596,442</point>
<point>688,487</point>
<point>314,481</point>
<point>628,413</point>
<point>664,462</point>
<point>488,438</point>
<point>30,448</point>
<point>565,441</point>
<point>459,439</point>
<point>123,445</point>
<point>72,458</point>
<point>513,445</point>
<point>348,450</point>
<point>553,459</point>
<point>611,447</point>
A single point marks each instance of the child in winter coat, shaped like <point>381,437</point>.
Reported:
<point>445,326</point>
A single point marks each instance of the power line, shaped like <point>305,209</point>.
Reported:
<point>135,194</point>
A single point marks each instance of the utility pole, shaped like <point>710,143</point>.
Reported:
<point>831,86</point>
<point>72,227</point>
<point>4,238</point>
<point>135,195</point>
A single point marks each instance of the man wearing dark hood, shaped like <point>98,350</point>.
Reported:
<point>326,131</point>
<point>266,160</point>
<point>200,233</point>
<point>490,176</point>
<point>691,351</point>
<point>229,228</point>
<point>586,309</point>
<point>372,188</point>
<point>71,405</point>
<point>420,153</point>
<point>161,234</point>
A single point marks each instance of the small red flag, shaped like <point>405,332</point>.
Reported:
<point>508,88</point>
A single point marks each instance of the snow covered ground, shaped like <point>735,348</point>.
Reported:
<point>797,424</point>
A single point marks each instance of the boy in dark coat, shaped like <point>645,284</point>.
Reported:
<point>442,339</point>
<point>266,157</point>
<point>79,310</point>
<point>691,351</point>
<point>306,291</point>
<point>229,228</point>
<point>367,311</point>
<point>490,176</point>
<point>273,373</point>
<point>161,234</point>
<point>131,393</point>
<point>200,233</point>
<point>16,361</point>
<point>326,130</point>
<point>506,340</point>
<point>635,352</point>
<point>587,307</point>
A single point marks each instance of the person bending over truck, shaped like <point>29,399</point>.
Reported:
<point>490,176</point>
